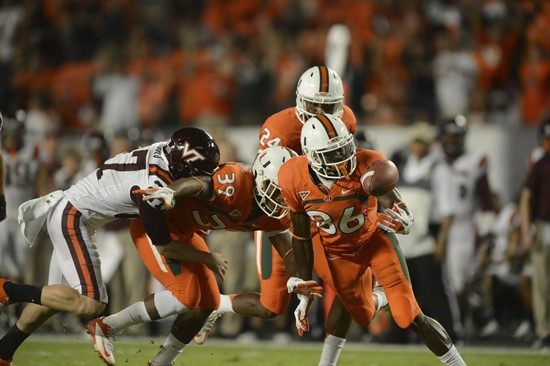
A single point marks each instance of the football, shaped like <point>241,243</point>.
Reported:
<point>381,177</point>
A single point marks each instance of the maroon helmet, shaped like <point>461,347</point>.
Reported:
<point>191,151</point>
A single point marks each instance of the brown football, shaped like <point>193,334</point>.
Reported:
<point>380,178</point>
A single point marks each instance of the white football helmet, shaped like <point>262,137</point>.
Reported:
<point>267,193</point>
<point>319,90</point>
<point>329,147</point>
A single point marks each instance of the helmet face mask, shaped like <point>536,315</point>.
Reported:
<point>319,91</point>
<point>332,154</point>
<point>267,193</point>
<point>269,197</point>
<point>337,160</point>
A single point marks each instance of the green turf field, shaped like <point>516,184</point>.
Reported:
<point>68,353</point>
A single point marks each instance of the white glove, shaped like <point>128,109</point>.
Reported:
<point>395,220</point>
<point>164,195</point>
<point>292,283</point>
<point>306,288</point>
<point>301,314</point>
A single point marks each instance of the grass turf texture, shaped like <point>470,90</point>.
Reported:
<point>80,353</point>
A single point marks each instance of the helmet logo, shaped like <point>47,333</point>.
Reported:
<point>190,154</point>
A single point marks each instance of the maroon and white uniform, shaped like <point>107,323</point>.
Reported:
<point>102,196</point>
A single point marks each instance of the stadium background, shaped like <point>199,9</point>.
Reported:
<point>87,73</point>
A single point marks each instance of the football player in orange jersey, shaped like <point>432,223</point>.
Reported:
<point>325,186</point>
<point>226,200</point>
<point>320,90</point>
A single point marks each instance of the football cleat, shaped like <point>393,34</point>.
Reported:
<point>5,362</point>
<point>151,363</point>
<point>4,299</point>
<point>378,292</point>
<point>202,335</point>
<point>104,338</point>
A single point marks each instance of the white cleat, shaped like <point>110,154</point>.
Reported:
<point>378,292</point>
<point>202,335</point>
<point>103,337</point>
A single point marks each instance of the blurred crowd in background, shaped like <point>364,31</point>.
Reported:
<point>115,73</point>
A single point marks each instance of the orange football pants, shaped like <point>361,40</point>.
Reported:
<point>193,284</point>
<point>353,281</point>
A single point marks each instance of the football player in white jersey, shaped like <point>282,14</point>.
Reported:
<point>24,179</point>
<point>73,216</point>
<point>461,189</point>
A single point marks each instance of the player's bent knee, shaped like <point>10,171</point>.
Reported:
<point>405,313</point>
<point>362,316</point>
<point>87,307</point>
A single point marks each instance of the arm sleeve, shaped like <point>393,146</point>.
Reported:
<point>158,177</point>
<point>228,183</point>
<point>154,224</point>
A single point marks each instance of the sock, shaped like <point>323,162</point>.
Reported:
<point>452,358</point>
<point>169,351</point>
<point>23,293</point>
<point>11,342</point>
<point>331,350</point>
<point>132,315</point>
<point>226,304</point>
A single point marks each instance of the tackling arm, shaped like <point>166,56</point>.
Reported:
<point>200,187</point>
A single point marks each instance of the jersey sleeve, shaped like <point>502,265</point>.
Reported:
<point>230,183</point>
<point>158,174</point>
<point>289,192</point>
<point>349,119</point>
<point>271,135</point>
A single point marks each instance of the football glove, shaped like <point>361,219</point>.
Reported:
<point>165,195</point>
<point>307,288</point>
<point>395,220</point>
<point>301,314</point>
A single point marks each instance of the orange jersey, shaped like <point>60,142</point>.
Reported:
<point>284,128</point>
<point>346,216</point>
<point>233,207</point>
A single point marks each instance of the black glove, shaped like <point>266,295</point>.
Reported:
<point>2,207</point>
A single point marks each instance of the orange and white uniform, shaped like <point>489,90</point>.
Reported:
<point>350,238</point>
<point>284,128</point>
<point>233,208</point>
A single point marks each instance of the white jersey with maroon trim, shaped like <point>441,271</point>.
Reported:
<point>461,177</point>
<point>106,193</point>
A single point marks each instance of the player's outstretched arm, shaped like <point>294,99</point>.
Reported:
<point>301,245</point>
<point>396,217</point>
<point>185,253</point>
<point>200,187</point>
